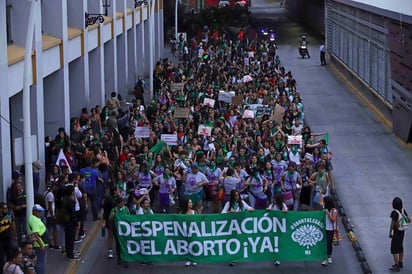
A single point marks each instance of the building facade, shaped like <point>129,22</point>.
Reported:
<point>73,65</point>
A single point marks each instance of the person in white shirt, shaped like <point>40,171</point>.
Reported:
<point>49,200</point>
<point>236,204</point>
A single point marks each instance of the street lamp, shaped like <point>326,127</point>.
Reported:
<point>91,18</point>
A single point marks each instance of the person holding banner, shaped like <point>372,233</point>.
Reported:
<point>278,204</point>
<point>194,183</point>
<point>119,209</point>
<point>236,204</point>
<point>331,219</point>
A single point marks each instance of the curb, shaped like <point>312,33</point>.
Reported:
<point>351,235</point>
<point>74,265</point>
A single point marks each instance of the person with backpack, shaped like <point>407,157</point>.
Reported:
<point>91,176</point>
<point>399,223</point>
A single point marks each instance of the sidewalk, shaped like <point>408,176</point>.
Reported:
<point>58,262</point>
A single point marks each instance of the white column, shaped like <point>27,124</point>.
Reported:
<point>39,93</point>
<point>112,12</point>
<point>151,47</point>
<point>66,79</point>
<point>86,61</point>
<point>28,165</point>
<point>5,143</point>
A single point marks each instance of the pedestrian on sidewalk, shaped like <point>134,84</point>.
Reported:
<point>37,228</point>
<point>322,50</point>
<point>397,233</point>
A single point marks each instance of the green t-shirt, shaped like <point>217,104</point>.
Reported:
<point>35,224</point>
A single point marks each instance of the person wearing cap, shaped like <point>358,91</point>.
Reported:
<point>194,183</point>
<point>37,228</point>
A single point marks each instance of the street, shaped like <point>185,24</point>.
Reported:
<point>370,166</point>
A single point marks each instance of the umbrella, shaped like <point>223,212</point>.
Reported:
<point>247,78</point>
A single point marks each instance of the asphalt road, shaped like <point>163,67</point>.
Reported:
<point>371,166</point>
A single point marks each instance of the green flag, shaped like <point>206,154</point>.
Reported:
<point>218,238</point>
<point>326,138</point>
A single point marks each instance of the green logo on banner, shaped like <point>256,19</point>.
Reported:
<point>214,238</point>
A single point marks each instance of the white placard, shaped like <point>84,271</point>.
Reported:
<point>142,132</point>
<point>295,140</point>
<point>249,114</point>
<point>209,102</point>
<point>226,96</point>
<point>204,130</point>
<point>170,139</point>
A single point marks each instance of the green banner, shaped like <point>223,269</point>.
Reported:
<point>216,238</point>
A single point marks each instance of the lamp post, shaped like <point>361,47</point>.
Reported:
<point>176,12</point>
<point>151,47</point>
<point>28,159</point>
<point>92,18</point>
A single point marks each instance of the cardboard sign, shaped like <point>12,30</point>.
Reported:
<point>176,87</point>
<point>142,132</point>
<point>226,96</point>
<point>249,114</point>
<point>295,140</point>
<point>204,130</point>
<point>266,100</point>
<point>264,110</point>
<point>209,102</point>
<point>237,100</point>
<point>278,114</point>
<point>170,139</point>
<point>181,112</point>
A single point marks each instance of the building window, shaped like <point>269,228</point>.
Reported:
<point>8,23</point>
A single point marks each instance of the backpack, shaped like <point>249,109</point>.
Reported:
<point>403,220</point>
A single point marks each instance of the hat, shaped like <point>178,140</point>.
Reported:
<point>38,207</point>
<point>194,165</point>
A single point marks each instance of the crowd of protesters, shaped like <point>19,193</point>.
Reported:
<point>227,157</point>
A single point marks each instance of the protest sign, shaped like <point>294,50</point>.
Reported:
<point>221,238</point>
<point>176,87</point>
<point>142,132</point>
<point>249,114</point>
<point>264,110</point>
<point>209,102</point>
<point>295,140</point>
<point>226,96</point>
<point>204,130</point>
<point>278,114</point>
<point>170,139</point>
<point>237,100</point>
<point>181,112</point>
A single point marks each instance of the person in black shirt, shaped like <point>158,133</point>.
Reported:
<point>8,235</point>
<point>17,202</point>
<point>68,205</point>
<point>108,205</point>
